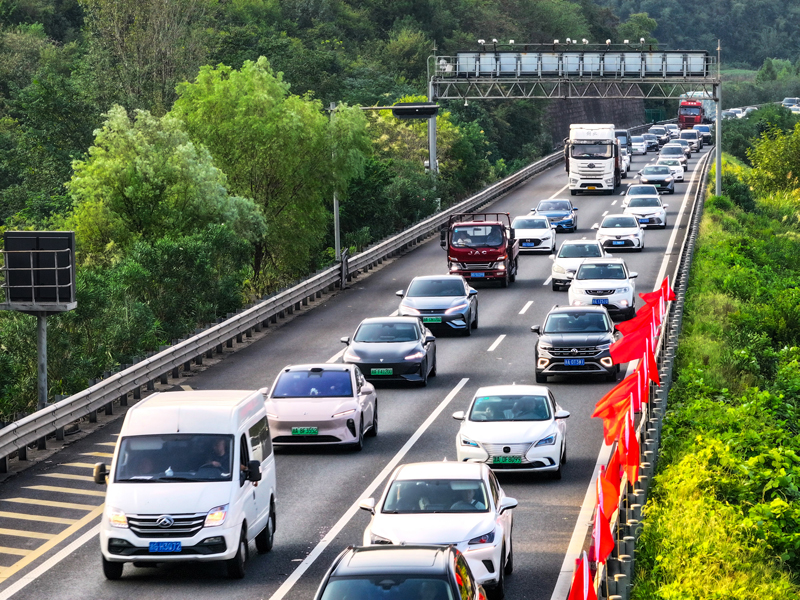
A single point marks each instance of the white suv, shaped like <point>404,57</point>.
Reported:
<point>621,231</point>
<point>569,258</point>
<point>606,282</point>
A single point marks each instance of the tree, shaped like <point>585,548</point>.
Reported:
<point>767,72</point>
<point>145,179</point>
<point>279,150</point>
<point>638,26</point>
<point>776,161</point>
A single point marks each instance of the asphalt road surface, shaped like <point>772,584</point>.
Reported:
<point>48,514</point>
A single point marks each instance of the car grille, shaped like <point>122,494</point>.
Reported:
<point>568,352</point>
<point>514,449</point>
<point>431,311</point>
<point>184,526</point>
<point>531,241</point>
<point>600,292</point>
<point>536,464</point>
<point>477,266</point>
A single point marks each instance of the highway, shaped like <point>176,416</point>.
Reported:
<point>55,504</point>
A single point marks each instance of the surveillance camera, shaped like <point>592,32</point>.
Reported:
<point>555,41</point>
<point>568,40</point>
<point>585,41</point>
<point>494,40</point>
<point>641,40</point>
<point>466,103</point>
<point>626,41</point>
<point>481,41</point>
<point>608,42</point>
<point>510,41</point>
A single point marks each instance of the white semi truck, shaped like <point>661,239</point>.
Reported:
<point>593,161</point>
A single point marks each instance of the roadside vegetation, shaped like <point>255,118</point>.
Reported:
<point>723,518</point>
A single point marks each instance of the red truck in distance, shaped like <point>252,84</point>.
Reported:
<point>691,113</point>
<point>481,246</point>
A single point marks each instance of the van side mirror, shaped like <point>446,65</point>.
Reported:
<point>100,474</point>
<point>254,471</point>
<point>443,238</point>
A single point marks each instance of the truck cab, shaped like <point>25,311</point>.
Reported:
<point>481,246</point>
<point>593,161</point>
<point>690,113</point>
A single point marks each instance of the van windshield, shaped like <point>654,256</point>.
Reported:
<point>168,458</point>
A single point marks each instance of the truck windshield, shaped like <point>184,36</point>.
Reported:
<point>313,383</point>
<point>591,151</point>
<point>478,236</point>
<point>689,111</point>
<point>174,457</point>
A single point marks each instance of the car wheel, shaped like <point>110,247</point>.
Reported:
<point>509,568</point>
<point>236,564</point>
<point>664,225</point>
<point>672,191</point>
<point>424,371</point>
<point>498,591</point>
<point>112,570</point>
<point>266,538</point>
<point>564,453</point>
<point>541,378</point>
<point>475,322</point>
<point>558,472</point>
<point>373,431</point>
<point>468,328</point>
<point>358,445</point>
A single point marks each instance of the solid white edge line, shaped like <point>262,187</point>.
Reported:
<point>287,585</point>
<point>336,356</point>
<point>584,517</point>
<point>496,343</point>
<point>394,314</point>
<point>547,281</point>
<point>48,564</point>
<point>525,308</point>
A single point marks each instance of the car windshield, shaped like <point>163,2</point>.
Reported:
<point>478,236</point>
<point>657,130</point>
<point>672,150</point>
<point>688,135</point>
<point>643,201</point>
<point>510,408</point>
<point>655,170</point>
<point>523,223</point>
<point>426,288</point>
<point>601,271</point>
<point>591,150</point>
<point>436,496</point>
<point>670,162</point>
<point>705,128</point>
<point>576,322</point>
<point>618,223</point>
<point>174,457</point>
<point>641,190</point>
<point>637,139</point>
<point>623,140</point>
<point>580,251</point>
<point>387,587</point>
<point>312,383</point>
<point>649,136</point>
<point>689,111</point>
<point>554,205</point>
<point>386,332</point>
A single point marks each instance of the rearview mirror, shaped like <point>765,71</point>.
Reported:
<point>665,206</point>
<point>512,235</point>
<point>400,293</point>
<point>254,471</point>
<point>633,274</point>
<point>552,257</point>
<point>506,504</point>
<point>367,504</point>
<point>459,415</point>
<point>100,474</point>
<point>345,340</point>
<point>429,339</point>
<point>575,208</point>
<point>473,292</point>
<point>570,275</point>
<point>561,414</point>
<point>537,329</point>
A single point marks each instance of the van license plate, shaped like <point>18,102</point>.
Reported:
<point>590,187</point>
<point>305,430</point>
<point>574,362</point>
<point>163,547</point>
<point>381,371</point>
<point>431,319</point>
<point>477,274</point>
<point>599,300</point>
<point>507,460</point>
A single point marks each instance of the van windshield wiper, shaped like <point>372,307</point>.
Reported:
<point>176,478</point>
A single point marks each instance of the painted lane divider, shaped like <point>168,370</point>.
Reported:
<point>604,214</point>
<point>525,308</point>
<point>336,356</point>
<point>548,280</point>
<point>613,203</point>
<point>496,343</point>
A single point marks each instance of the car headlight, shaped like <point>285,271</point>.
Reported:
<point>344,413</point>
<point>216,516</point>
<point>578,292</point>
<point>457,308</point>
<point>117,518</point>
<point>377,539</point>
<point>645,180</point>
<point>603,346</point>
<point>416,356</point>
<point>573,181</point>
<point>469,442</point>
<point>668,179</point>
<point>545,347</point>
<point>407,310</point>
<point>623,290</point>
<point>550,440</point>
<point>486,538</point>
<point>350,356</point>
<point>558,268</point>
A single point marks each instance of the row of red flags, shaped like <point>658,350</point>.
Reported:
<point>617,410</point>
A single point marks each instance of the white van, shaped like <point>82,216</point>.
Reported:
<point>192,479</point>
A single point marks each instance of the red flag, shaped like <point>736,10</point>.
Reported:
<point>666,291</point>
<point>607,496</point>
<point>582,581</point>
<point>612,426</point>
<point>630,458</point>
<point>642,319</point>
<point>612,473</point>
<point>630,347</point>
<point>619,392</point>
<point>602,540</point>
<point>651,366</point>
<point>652,297</point>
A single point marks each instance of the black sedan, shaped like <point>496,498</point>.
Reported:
<point>659,176</point>
<point>651,141</point>
<point>444,302</point>
<point>392,348</point>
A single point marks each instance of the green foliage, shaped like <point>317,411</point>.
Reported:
<point>767,72</point>
<point>776,161</point>
<point>638,26</point>
<point>740,135</point>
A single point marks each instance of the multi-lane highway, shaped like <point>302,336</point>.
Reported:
<point>54,506</point>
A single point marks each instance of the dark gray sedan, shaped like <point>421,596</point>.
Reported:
<point>392,348</point>
<point>659,176</point>
<point>443,302</point>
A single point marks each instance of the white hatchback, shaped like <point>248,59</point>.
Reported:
<point>448,503</point>
<point>514,428</point>
<point>606,282</point>
<point>535,234</point>
<point>647,209</point>
<point>621,231</point>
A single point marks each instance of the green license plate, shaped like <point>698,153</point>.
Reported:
<point>381,371</point>
<point>507,460</point>
<point>431,319</point>
<point>305,430</point>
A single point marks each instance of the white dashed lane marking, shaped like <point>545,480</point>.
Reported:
<point>525,308</point>
<point>496,343</point>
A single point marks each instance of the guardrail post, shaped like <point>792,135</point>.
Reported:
<point>187,366</point>
<point>109,409</point>
<point>123,400</point>
<point>304,301</point>
<point>92,413</point>
<point>249,332</point>
<point>4,464</point>
<point>238,338</point>
<point>198,360</point>
<point>257,327</point>
<point>22,453</point>
<point>41,443</point>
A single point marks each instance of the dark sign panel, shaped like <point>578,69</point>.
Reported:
<point>40,267</point>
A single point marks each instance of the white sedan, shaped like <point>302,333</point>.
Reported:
<point>448,503</point>
<point>675,167</point>
<point>621,232</point>
<point>535,233</point>
<point>638,145</point>
<point>647,209</point>
<point>569,258</point>
<point>514,428</point>
<point>325,404</point>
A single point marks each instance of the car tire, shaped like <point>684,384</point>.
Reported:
<point>236,565</point>
<point>373,431</point>
<point>558,473</point>
<point>541,378</point>
<point>424,371</point>
<point>664,225</point>
<point>475,322</point>
<point>112,570</point>
<point>509,568</point>
<point>266,538</point>
<point>498,591</point>
<point>513,276</point>
<point>564,452</point>
<point>468,328</point>
<point>358,445</point>
<point>672,191</point>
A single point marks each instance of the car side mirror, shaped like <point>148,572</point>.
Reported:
<point>345,340</point>
<point>443,238</point>
<point>633,274</point>
<point>561,414</point>
<point>400,293</point>
<point>570,275</point>
<point>506,504</point>
<point>665,206</point>
<point>537,329</point>
<point>552,257</point>
<point>459,415</point>
<point>100,474</point>
<point>473,292</point>
<point>367,504</point>
<point>430,338</point>
<point>575,208</point>
<point>254,471</point>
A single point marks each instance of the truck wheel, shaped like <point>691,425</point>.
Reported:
<point>112,570</point>
<point>513,277</point>
<point>573,192</point>
<point>504,280</point>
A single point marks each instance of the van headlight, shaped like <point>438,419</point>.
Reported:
<point>558,269</point>
<point>216,516</point>
<point>117,518</point>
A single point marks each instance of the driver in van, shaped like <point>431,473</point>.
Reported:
<point>220,453</point>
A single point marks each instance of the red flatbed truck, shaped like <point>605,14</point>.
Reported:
<point>481,247</point>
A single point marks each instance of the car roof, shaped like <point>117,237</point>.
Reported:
<point>379,560</point>
<point>513,390</point>
<point>323,366</point>
<point>576,241</point>
<point>440,470</point>
<point>614,216</point>
<point>437,277</point>
<point>604,261</point>
<point>599,308</point>
<point>390,320</point>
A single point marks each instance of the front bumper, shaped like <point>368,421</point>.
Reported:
<point>554,362</point>
<point>437,321</point>
<point>208,544</point>
<point>339,430</point>
<point>535,245</point>
<point>543,458</point>
<point>667,186</point>
<point>650,220</point>
<point>619,306</point>
<point>406,371</point>
<point>627,243</point>
<point>479,274</point>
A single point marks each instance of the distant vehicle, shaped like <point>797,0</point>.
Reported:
<point>690,113</point>
<point>535,234</point>
<point>605,282</point>
<point>749,110</point>
<point>621,232</point>
<point>569,258</point>
<point>661,133</point>
<point>707,105</point>
<point>728,114</point>
<point>674,130</point>
<point>648,209</point>
<point>788,102</point>
<point>659,176</point>
<point>694,137</point>
<point>674,165</point>
<point>592,159</point>
<point>737,111</point>
<point>626,161</point>
<point>652,142</point>
<point>795,110</point>
<point>481,246</point>
<point>442,302</point>
<point>638,145</point>
<point>641,190</point>
<point>560,213</point>
<point>705,131</point>
<point>624,137</point>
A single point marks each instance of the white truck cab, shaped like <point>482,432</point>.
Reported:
<point>192,479</point>
<point>593,161</point>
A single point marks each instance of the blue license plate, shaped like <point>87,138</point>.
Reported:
<point>644,220</point>
<point>599,300</point>
<point>528,245</point>
<point>163,547</point>
<point>573,362</point>
<point>618,243</point>
<point>477,274</point>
